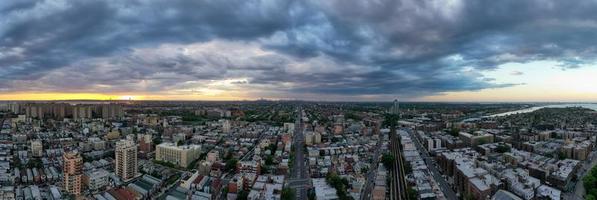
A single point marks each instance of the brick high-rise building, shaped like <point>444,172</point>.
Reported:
<point>73,172</point>
<point>145,142</point>
<point>126,159</point>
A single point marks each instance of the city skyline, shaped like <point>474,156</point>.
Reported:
<point>296,150</point>
<point>428,51</point>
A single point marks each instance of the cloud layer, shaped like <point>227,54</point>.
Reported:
<point>330,49</point>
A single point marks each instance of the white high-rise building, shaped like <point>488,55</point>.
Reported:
<point>126,159</point>
<point>226,126</point>
<point>395,108</point>
<point>37,148</point>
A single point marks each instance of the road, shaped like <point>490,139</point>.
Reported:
<point>299,178</point>
<point>250,153</point>
<point>443,184</point>
<point>166,189</point>
<point>579,188</point>
<point>226,177</point>
<point>366,193</point>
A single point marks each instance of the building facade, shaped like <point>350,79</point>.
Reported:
<point>37,148</point>
<point>96,180</point>
<point>179,155</point>
<point>112,111</point>
<point>73,171</point>
<point>126,159</point>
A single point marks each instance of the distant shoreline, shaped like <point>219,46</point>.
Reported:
<point>592,106</point>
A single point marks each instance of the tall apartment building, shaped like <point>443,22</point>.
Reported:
<point>15,108</point>
<point>126,159</point>
<point>37,148</point>
<point>47,110</point>
<point>73,172</point>
<point>112,111</point>
<point>58,110</point>
<point>145,142</point>
<point>179,155</point>
<point>226,126</point>
<point>82,112</point>
<point>35,111</point>
<point>395,107</point>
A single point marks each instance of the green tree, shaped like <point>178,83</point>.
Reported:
<point>454,131</point>
<point>242,195</point>
<point>17,162</point>
<point>267,169</point>
<point>193,164</point>
<point>594,171</point>
<point>311,195</point>
<point>231,164</point>
<point>482,141</point>
<point>388,160</point>
<point>502,148</point>
<point>224,191</point>
<point>352,115</point>
<point>228,155</point>
<point>340,184</point>
<point>411,193</point>
<point>269,160</point>
<point>407,168</point>
<point>167,164</point>
<point>590,183</point>
<point>156,174</point>
<point>390,120</point>
<point>172,179</point>
<point>36,162</point>
<point>554,135</point>
<point>592,191</point>
<point>86,158</point>
<point>157,140</point>
<point>287,194</point>
<point>364,170</point>
<point>272,148</point>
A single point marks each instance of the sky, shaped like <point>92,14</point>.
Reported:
<point>332,50</point>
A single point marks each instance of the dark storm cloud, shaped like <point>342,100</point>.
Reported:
<point>53,34</point>
<point>339,47</point>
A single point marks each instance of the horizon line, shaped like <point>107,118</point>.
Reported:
<point>300,100</point>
